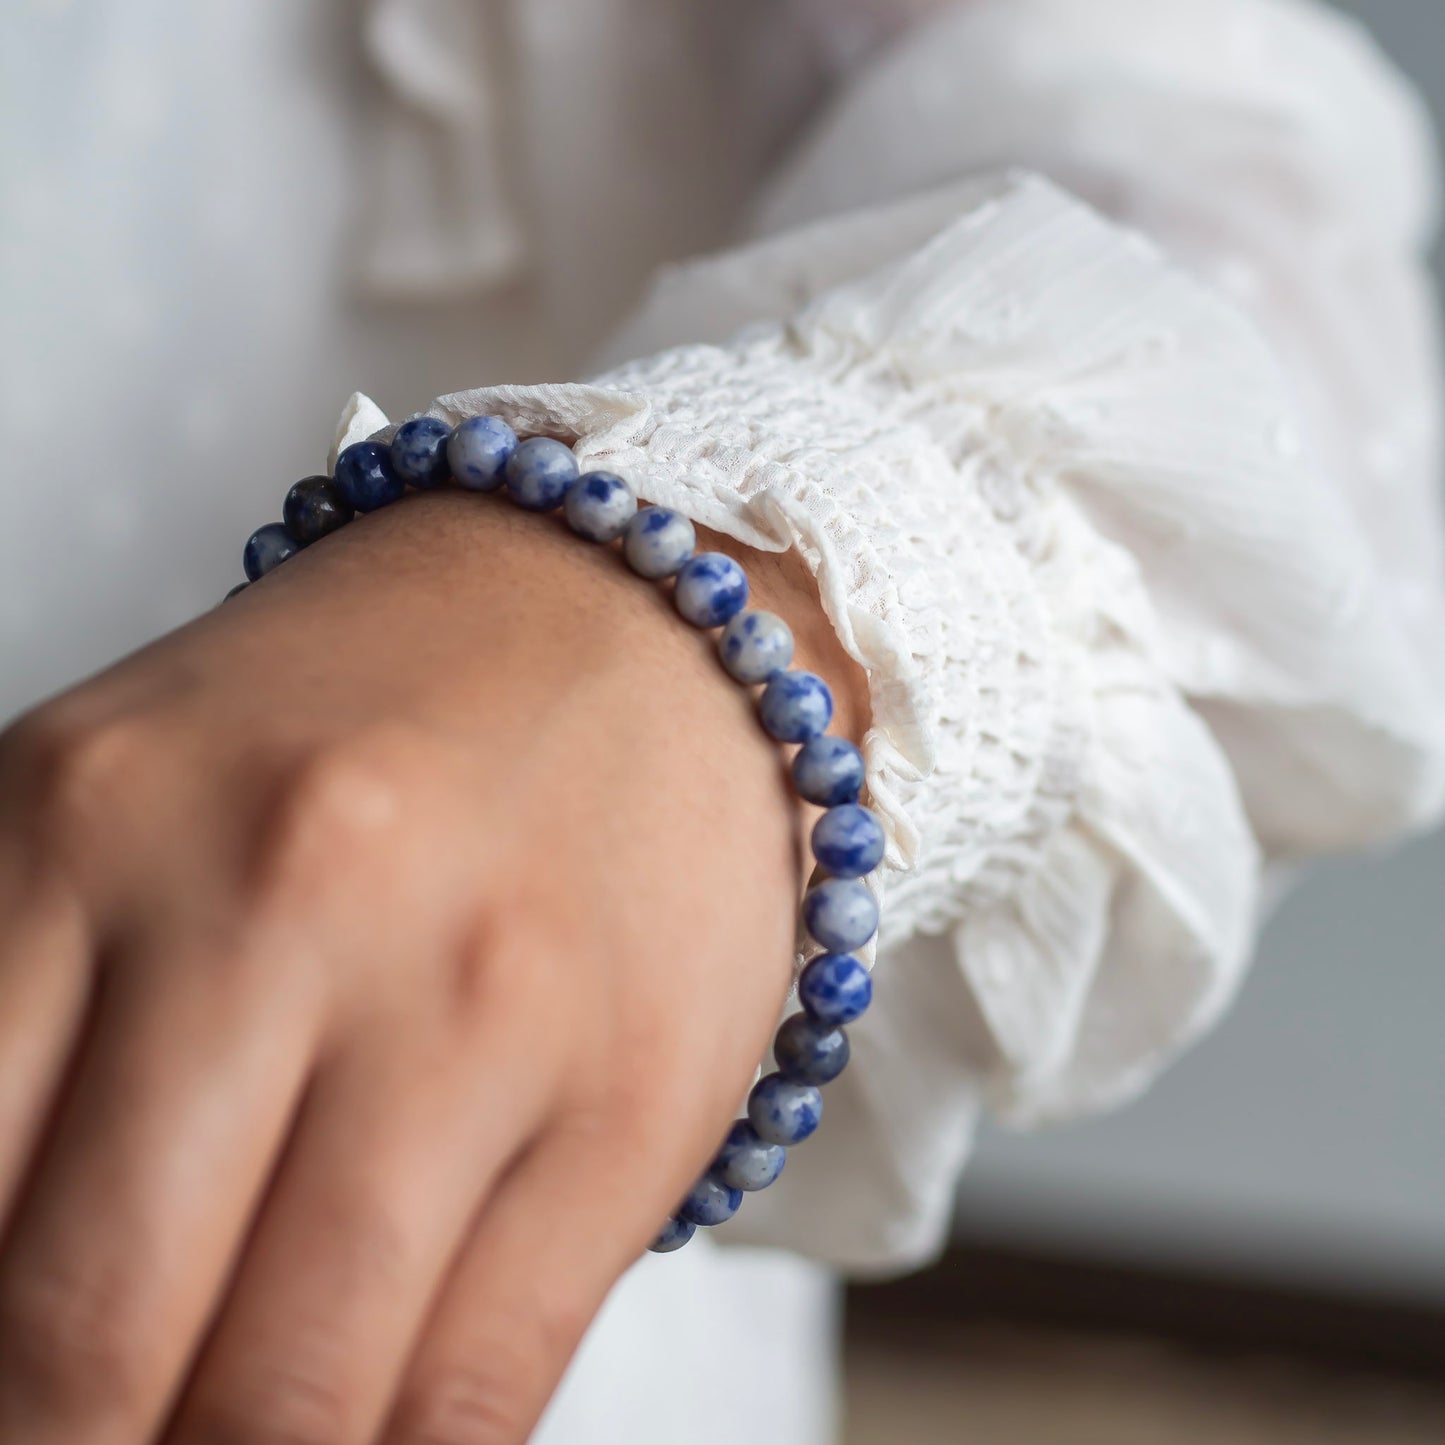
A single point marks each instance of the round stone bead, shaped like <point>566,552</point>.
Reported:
<point>419,451</point>
<point>675,1233</point>
<point>267,547</point>
<point>235,591</point>
<point>657,542</point>
<point>835,989</point>
<point>539,473</point>
<point>848,841</point>
<point>478,452</point>
<point>841,914</point>
<point>747,1162</point>
<point>809,1052</point>
<point>366,478</point>
<point>710,1203</point>
<point>782,1111</point>
<point>599,506</point>
<point>828,771</point>
<point>710,589</point>
<point>313,508</point>
<point>755,645</point>
<point>795,706</point>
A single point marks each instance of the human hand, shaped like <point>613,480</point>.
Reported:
<point>382,956</point>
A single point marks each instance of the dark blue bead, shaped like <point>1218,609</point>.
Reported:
<point>745,1161</point>
<point>267,547</point>
<point>674,1234</point>
<point>710,1203</point>
<point>313,508</point>
<point>840,913</point>
<point>829,771</point>
<point>809,1052</point>
<point>539,473</point>
<point>419,451</point>
<point>239,587</point>
<point>366,478</point>
<point>783,1111</point>
<point>710,589</point>
<point>835,988</point>
<point>848,841</point>
<point>795,706</point>
<point>478,452</point>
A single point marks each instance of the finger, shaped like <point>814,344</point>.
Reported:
<point>45,976</point>
<point>561,1229</point>
<point>177,1108</point>
<point>396,1145</point>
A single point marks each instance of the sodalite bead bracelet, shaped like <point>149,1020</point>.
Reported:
<point>710,590</point>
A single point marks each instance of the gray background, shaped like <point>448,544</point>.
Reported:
<point>1305,1140</point>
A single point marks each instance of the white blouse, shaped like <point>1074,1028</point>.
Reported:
<point>1103,403</point>
<point>1138,540</point>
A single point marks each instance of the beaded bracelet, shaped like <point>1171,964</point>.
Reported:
<point>710,590</point>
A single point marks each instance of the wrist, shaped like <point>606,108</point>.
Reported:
<point>448,577</point>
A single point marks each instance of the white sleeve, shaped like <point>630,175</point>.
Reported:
<point>1127,626</point>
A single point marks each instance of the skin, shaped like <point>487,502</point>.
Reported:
<point>382,956</point>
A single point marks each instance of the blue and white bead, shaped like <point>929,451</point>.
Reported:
<point>599,505</point>
<point>539,473</point>
<point>746,1161</point>
<point>366,478</point>
<point>809,1052</point>
<point>840,913</point>
<point>835,989</point>
<point>795,706</point>
<point>419,451</point>
<point>675,1233</point>
<point>657,542</point>
<point>710,1203</point>
<point>478,452</point>
<point>711,589</point>
<point>848,841</point>
<point>754,646</point>
<point>829,771</point>
<point>783,1111</point>
<point>266,548</point>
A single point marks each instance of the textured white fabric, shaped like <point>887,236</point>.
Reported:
<point>498,116</point>
<point>706,1347</point>
<point>991,389</point>
<point>1268,147</point>
<point>1176,605</point>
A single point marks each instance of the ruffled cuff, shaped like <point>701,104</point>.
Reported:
<point>1034,472</point>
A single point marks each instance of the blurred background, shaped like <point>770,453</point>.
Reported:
<point>1255,1251</point>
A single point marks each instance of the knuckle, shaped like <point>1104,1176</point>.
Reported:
<point>508,975</point>
<point>476,1404</point>
<point>372,1242</point>
<point>494,1395</point>
<point>280,1405</point>
<point>342,801</point>
<point>74,772</point>
<point>78,1347</point>
<point>493,967</point>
